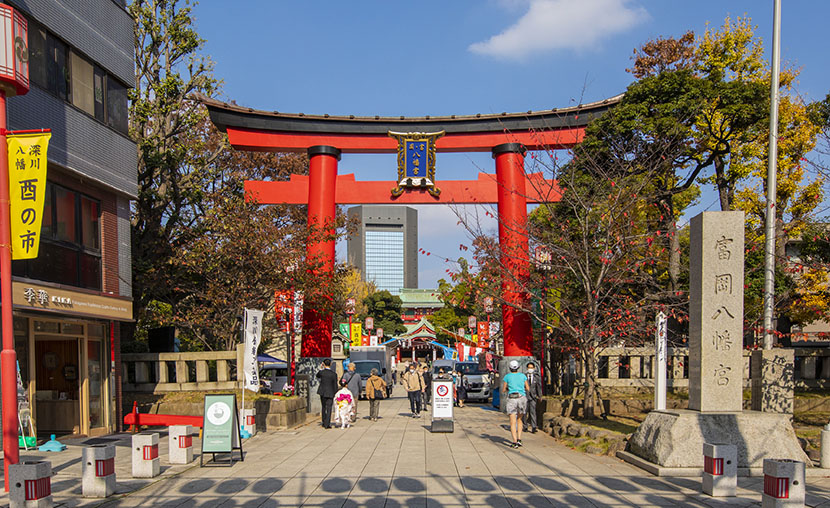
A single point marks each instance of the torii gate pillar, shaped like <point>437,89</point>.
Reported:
<point>513,243</point>
<point>322,171</point>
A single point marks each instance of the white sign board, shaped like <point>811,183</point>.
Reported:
<point>661,347</point>
<point>442,398</point>
<point>373,340</point>
<point>253,332</point>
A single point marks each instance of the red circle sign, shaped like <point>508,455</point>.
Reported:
<point>442,390</point>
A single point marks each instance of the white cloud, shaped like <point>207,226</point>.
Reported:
<point>551,25</point>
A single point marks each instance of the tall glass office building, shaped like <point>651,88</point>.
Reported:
<point>385,247</point>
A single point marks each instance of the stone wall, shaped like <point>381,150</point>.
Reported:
<point>274,414</point>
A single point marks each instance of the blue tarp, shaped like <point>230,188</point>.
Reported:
<point>263,358</point>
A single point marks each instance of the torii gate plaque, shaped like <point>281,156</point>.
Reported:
<point>325,138</point>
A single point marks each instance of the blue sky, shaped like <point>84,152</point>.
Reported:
<point>440,57</point>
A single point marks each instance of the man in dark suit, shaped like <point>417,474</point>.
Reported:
<point>534,381</point>
<point>326,390</point>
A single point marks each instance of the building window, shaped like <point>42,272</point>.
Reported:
<point>70,247</point>
<point>384,260</point>
<point>67,74</point>
<point>335,348</point>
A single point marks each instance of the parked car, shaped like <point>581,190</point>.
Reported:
<point>476,381</point>
<point>273,377</point>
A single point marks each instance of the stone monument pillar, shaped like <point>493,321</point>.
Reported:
<point>716,311</point>
<point>669,441</point>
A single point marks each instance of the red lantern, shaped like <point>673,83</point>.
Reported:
<point>14,52</point>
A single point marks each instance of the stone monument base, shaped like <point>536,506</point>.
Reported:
<point>674,439</point>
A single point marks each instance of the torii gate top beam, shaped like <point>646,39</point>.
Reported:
<point>256,130</point>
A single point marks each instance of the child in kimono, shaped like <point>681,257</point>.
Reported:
<point>345,405</point>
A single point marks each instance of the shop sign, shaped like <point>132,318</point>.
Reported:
<point>32,296</point>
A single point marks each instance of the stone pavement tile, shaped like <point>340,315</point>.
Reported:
<point>721,502</point>
<point>334,485</point>
<point>407,485</point>
<point>438,485</point>
<point>511,485</point>
<point>371,487</point>
<point>600,499</point>
<point>549,483</point>
<point>528,500</point>
<point>407,500</point>
<point>365,501</point>
<point>662,499</point>
<point>446,500</point>
<point>328,501</point>
<point>816,500</point>
<point>568,499</point>
<point>497,500</point>
<point>479,485</point>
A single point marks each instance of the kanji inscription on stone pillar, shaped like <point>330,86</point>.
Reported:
<point>716,284</point>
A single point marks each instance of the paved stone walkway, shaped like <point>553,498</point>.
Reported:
<point>397,462</point>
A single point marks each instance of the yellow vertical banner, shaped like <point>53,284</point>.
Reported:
<point>357,334</point>
<point>27,190</point>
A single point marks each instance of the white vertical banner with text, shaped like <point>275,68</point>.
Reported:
<point>253,332</point>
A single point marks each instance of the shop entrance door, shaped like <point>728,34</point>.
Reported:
<point>58,382</point>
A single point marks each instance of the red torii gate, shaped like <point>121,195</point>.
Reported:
<point>325,138</point>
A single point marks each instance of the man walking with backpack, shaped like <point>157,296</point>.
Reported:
<point>413,383</point>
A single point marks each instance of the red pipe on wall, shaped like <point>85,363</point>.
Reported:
<point>513,242</point>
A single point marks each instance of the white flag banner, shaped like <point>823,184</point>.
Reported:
<point>253,332</point>
<point>298,312</point>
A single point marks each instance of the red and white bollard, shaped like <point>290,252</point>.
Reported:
<point>783,484</point>
<point>30,485</point>
<point>146,455</point>
<point>720,470</point>
<point>98,471</point>
<point>180,444</point>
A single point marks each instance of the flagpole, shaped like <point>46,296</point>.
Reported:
<point>772,164</point>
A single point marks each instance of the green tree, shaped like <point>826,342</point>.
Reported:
<point>385,308</point>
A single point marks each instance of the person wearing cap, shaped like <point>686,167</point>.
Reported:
<point>515,388</point>
<point>534,382</point>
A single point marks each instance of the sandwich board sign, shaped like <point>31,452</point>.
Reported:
<point>220,431</point>
<point>442,401</point>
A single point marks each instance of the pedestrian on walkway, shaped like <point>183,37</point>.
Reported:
<point>413,383</point>
<point>344,401</point>
<point>375,391</point>
<point>327,380</point>
<point>534,382</point>
<point>427,375</point>
<point>515,388</point>
<point>352,379</point>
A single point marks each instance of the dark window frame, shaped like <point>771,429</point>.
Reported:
<point>76,248</point>
<point>52,41</point>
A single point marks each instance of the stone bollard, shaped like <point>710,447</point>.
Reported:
<point>146,455</point>
<point>181,444</point>
<point>825,446</point>
<point>249,421</point>
<point>783,484</point>
<point>720,470</point>
<point>30,485</point>
<point>98,467</point>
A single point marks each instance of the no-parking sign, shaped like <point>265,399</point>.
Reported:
<point>442,398</point>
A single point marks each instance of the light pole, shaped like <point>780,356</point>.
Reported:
<point>350,305</point>
<point>14,80</point>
